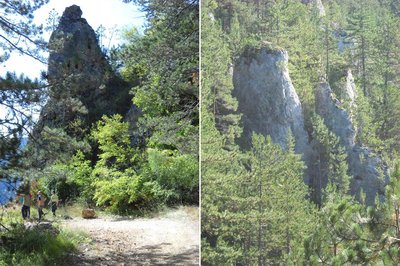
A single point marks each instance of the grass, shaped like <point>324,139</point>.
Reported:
<point>180,211</point>
<point>20,246</point>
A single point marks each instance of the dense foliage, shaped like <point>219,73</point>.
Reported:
<point>131,154</point>
<point>243,219</point>
<point>146,157</point>
<point>141,158</point>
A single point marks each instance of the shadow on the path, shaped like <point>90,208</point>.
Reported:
<point>146,255</point>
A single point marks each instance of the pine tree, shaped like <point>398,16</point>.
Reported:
<point>165,61</point>
<point>17,31</point>
<point>18,34</point>
<point>360,29</point>
<point>331,161</point>
<point>220,160</point>
<point>277,193</point>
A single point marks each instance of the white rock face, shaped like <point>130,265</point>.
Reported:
<point>321,9</point>
<point>270,105</point>
<point>336,118</point>
<point>317,4</point>
<point>349,92</point>
<point>369,172</point>
<point>267,98</point>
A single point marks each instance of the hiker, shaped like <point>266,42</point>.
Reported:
<point>26,205</point>
<point>41,199</point>
<point>53,203</point>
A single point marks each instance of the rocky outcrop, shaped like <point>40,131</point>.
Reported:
<point>349,91</point>
<point>74,51</point>
<point>267,99</point>
<point>336,118</point>
<point>270,106</point>
<point>83,85</point>
<point>369,173</point>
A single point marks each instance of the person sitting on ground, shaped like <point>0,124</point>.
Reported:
<point>41,199</point>
<point>54,203</point>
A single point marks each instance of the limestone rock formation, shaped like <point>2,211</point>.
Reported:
<point>369,172</point>
<point>267,99</point>
<point>269,105</point>
<point>83,85</point>
<point>336,118</point>
<point>349,92</point>
<point>74,51</point>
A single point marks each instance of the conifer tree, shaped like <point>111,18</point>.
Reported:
<point>331,161</point>
<point>165,61</point>
<point>220,158</point>
<point>18,34</point>
<point>360,29</point>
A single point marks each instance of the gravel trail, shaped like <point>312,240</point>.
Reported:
<point>171,238</point>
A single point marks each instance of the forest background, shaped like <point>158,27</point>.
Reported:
<point>256,208</point>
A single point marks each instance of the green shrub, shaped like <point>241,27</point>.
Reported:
<point>80,176</point>
<point>34,247</point>
<point>128,192</point>
<point>175,173</point>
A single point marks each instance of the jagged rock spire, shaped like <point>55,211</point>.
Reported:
<point>83,84</point>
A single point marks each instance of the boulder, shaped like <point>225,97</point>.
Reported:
<point>88,213</point>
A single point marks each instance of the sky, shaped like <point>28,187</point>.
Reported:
<point>108,13</point>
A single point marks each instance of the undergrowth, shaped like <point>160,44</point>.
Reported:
<point>19,246</point>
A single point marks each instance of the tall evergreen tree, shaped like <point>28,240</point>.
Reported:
<point>165,60</point>
<point>220,158</point>
<point>331,161</point>
<point>18,34</point>
<point>360,29</point>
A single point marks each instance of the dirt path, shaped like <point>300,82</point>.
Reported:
<point>170,239</point>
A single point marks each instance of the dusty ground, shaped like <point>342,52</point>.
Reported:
<point>171,238</point>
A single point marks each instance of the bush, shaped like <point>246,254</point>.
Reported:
<point>34,247</point>
<point>128,192</point>
<point>176,173</point>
